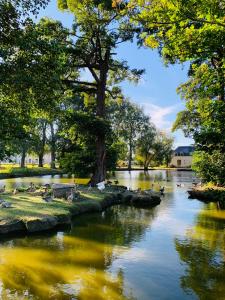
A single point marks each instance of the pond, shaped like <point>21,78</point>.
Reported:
<point>173,251</point>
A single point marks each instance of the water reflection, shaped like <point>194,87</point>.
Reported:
<point>123,253</point>
<point>74,264</point>
<point>203,252</point>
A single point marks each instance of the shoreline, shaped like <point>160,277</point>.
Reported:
<point>47,222</point>
<point>33,172</point>
<point>208,194</point>
<point>153,169</point>
<point>29,172</point>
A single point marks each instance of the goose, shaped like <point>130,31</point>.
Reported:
<point>101,186</point>
<point>3,189</point>
<point>6,204</point>
<point>15,191</point>
<point>31,188</point>
<point>71,197</point>
<point>162,190</point>
<point>48,198</point>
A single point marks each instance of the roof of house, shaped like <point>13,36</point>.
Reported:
<point>184,150</point>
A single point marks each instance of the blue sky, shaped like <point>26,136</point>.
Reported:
<point>156,92</point>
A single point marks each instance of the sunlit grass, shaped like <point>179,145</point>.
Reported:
<point>26,206</point>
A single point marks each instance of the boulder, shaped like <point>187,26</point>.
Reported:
<point>62,190</point>
<point>140,200</point>
<point>42,224</point>
<point>85,206</point>
<point>7,226</point>
<point>127,197</point>
<point>63,219</point>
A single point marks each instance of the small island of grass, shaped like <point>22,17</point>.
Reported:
<point>29,213</point>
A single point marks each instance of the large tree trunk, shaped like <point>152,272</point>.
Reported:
<point>40,159</point>
<point>42,150</point>
<point>100,165</point>
<point>53,147</point>
<point>23,157</point>
<point>130,155</point>
<point>145,167</point>
<point>100,171</point>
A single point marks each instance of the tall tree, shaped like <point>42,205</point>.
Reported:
<point>130,122</point>
<point>98,30</point>
<point>192,31</point>
<point>25,92</point>
<point>146,145</point>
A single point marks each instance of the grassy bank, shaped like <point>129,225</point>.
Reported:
<point>9,171</point>
<point>208,193</point>
<point>26,205</point>
<point>30,213</point>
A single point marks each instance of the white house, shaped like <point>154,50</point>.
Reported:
<point>182,157</point>
<point>30,159</point>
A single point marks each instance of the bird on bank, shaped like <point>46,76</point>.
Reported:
<point>15,191</point>
<point>48,198</point>
<point>3,189</point>
<point>180,185</point>
<point>6,204</point>
<point>162,190</point>
<point>101,186</point>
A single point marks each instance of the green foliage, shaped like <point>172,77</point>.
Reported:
<point>31,89</point>
<point>182,30</point>
<point>210,166</point>
<point>79,162</point>
<point>145,146</point>
<point>193,31</point>
<point>154,148</point>
<point>97,30</point>
<point>129,121</point>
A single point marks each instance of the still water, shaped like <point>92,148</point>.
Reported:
<point>173,251</point>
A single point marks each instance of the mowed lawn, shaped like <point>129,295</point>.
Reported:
<point>26,205</point>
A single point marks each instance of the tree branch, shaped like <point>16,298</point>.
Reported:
<point>80,82</point>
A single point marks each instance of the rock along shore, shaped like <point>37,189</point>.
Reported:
<point>208,194</point>
<point>81,206</point>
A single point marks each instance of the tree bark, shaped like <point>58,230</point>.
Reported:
<point>23,157</point>
<point>145,167</point>
<point>43,142</point>
<point>100,165</point>
<point>100,168</point>
<point>130,155</point>
<point>53,146</point>
<point>40,159</point>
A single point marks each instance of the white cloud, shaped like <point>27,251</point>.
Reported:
<point>160,114</point>
<point>163,117</point>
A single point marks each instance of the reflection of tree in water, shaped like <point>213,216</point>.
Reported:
<point>74,265</point>
<point>203,252</point>
<point>117,226</point>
